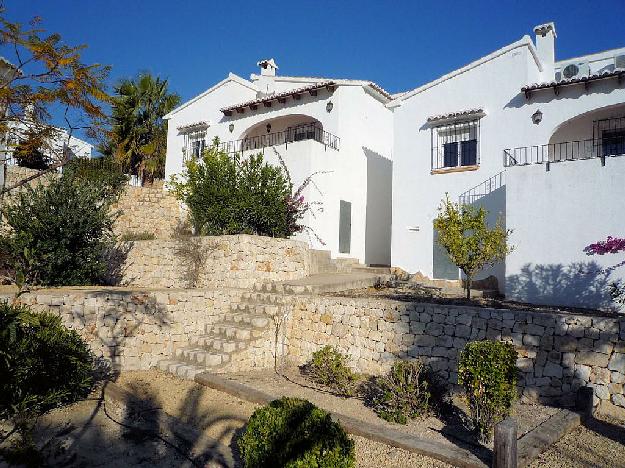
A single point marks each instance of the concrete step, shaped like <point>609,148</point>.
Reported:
<point>181,369</point>
<point>213,343</point>
<point>248,318</point>
<point>257,297</point>
<point>334,282</point>
<point>202,357</point>
<point>242,309</point>
<point>234,331</point>
<point>382,270</point>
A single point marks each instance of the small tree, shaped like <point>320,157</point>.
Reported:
<point>42,76</point>
<point>470,243</point>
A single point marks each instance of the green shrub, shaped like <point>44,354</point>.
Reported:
<point>43,364</point>
<point>487,371</point>
<point>291,432</point>
<point>57,232</point>
<point>227,194</point>
<point>329,367</point>
<point>104,175</point>
<point>137,236</point>
<point>408,391</point>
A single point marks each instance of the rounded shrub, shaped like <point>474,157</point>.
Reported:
<point>328,367</point>
<point>408,391</point>
<point>487,371</point>
<point>294,433</point>
<point>42,363</point>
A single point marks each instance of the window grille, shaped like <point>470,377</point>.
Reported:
<point>456,144</point>
<point>609,136</point>
<point>194,145</point>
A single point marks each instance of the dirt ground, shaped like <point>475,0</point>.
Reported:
<point>416,293</point>
<point>90,433</point>
<point>451,431</point>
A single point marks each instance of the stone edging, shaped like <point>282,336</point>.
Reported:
<point>453,455</point>
<point>170,427</point>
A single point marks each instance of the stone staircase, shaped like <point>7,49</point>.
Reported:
<point>247,321</point>
<point>252,319</point>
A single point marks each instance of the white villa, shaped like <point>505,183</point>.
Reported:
<point>532,139</point>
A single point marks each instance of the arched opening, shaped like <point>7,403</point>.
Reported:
<point>282,130</point>
<point>597,133</point>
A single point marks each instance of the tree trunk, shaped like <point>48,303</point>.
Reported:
<point>468,284</point>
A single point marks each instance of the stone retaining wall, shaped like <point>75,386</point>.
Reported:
<point>557,352</point>
<point>134,329</point>
<point>148,210</point>
<point>213,261</point>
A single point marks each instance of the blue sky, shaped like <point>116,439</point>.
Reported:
<point>398,44</point>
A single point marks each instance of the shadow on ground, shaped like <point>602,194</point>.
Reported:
<point>133,431</point>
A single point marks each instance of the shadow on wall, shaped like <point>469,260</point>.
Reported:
<point>378,209</point>
<point>579,284</point>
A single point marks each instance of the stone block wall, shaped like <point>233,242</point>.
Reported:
<point>557,352</point>
<point>150,210</point>
<point>215,261</point>
<point>134,329</point>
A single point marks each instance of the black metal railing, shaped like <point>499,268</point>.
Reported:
<point>608,146</point>
<point>310,131</point>
<point>481,190</point>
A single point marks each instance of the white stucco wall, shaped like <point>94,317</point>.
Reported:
<point>555,214</point>
<point>417,193</point>
<point>494,85</point>
<point>360,120</point>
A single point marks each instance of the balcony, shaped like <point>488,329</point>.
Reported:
<point>612,144</point>
<point>311,131</point>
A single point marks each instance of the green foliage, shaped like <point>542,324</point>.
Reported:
<point>138,138</point>
<point>43,365</point>
<point>294,433</point>
<point>328,367</point>
<point>137,236</point>
<point>487,371</point>
<point>470,243</point>
<point>226,195</point>
<point>102,174</point>
<point>57,233</point>
<point>31,158</point>
<point>409,390</point>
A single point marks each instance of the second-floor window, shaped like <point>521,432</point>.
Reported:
<point>455,144</point>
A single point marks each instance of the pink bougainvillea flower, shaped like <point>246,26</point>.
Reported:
<point>610,245</point>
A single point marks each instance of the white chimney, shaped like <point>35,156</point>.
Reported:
<point>266,84</point>
<point>545,46</point>
<point>267,67</point>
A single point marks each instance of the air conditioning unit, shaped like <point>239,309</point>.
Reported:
<point>575,70</point>
<point>619,62</point>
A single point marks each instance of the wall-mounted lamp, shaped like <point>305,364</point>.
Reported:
<point>231,127</point>
<point>329,106</point>
<point>268,128</point>
<point>537,117</point>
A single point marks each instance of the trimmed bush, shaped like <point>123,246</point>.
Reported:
<point>57,233</point>
<point>294,433</point>
<point>487,371</point>
<point>43,364</point>
<point>408,391</point>
<point>328,367</point>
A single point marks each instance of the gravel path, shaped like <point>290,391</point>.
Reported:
<point>221,415</point>
<point>600,444</point>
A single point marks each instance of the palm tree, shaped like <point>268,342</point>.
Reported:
<point>139,133</point>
